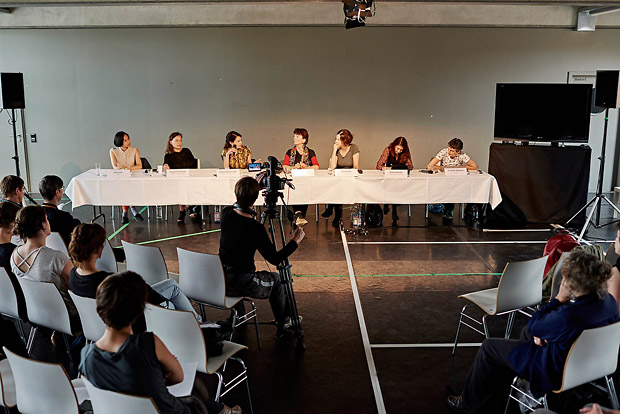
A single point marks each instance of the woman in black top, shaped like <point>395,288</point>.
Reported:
<point>395,156</point>
<point>177,157</point>
<point>137,364</point>
<point>300,156</point>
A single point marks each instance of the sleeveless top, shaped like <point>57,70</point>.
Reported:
<point>133,369</point>
<point>124,159</point>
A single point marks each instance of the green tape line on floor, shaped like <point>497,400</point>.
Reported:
<point>409,275</point>
<point>173,237</point>
<point>125,225</point>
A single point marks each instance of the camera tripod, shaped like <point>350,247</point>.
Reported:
<point>271,215</point>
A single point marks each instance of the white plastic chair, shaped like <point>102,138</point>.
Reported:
<point>8,398</point>
<point>107,261</point>
<point>201,278</point>
<point>519,287</point>
<point>181,333</point>
<point>92,325</point>
<point>45,308</point>
<point>54,241</point>
<point>593,355</point>
<point>10,304</point>
<point>147,261</point>
<point>110,402</point>
<point>41,387</point>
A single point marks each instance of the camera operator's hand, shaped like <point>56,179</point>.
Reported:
<point>298,235</point>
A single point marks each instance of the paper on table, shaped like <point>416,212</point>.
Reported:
<point>184,388</point>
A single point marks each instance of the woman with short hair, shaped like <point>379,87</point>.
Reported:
<point>137,364</point>
<point>125,157</point>
<point>344,155</point>
<point>177,157</point>
<point>300,157</point>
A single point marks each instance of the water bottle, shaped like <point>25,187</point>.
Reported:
<point>160,212</point>
<point>217,215</point>
<point>356,216</point>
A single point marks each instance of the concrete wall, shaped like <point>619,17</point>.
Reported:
<point>427,84</point>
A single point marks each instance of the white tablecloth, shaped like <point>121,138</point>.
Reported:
<point>203,187</point>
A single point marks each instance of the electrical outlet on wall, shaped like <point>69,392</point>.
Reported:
<point>33,137</point>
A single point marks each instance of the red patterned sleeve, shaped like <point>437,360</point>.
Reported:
<point>383,158</point>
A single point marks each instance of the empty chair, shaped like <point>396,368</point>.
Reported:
<point>593,355</point>
<point>12,303</point>
<point>110,402</point>
<point>8,399</point>
<point>201,278</point>
<point>54,241</point>
<point>147,261</point>
<point>45,308</point>
<point>41,387</point>
<point>107,261</point>
<point>520,286</point>
<point>180,332</point>
<point>92,325</point>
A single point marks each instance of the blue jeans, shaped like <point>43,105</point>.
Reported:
<point>170,290</point>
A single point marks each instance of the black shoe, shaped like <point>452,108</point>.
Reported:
<point>125,219</point>
<point>336,221</point>
<point>195,218</point>
<point>181,218</point>
<point>328,212</point>
<point>386,209</point>
<point>394,223</point>
<point>136,215</point>
<point>455,402</point>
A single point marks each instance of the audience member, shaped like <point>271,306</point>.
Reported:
<point>62,222</point>
<point>137,364</point>
<point>300,156</point>
<point>241,236</point>
<point>126,157</point>
<point>178,157</point>
<point>8,211</point>
<point>396,156</point>
<point>581,303</point>
<point>234,153</point>
<point>452,156</point>
<point>614,282</point>
<point>86,245</point>
<point>13,189</point>
<point>344,155</point>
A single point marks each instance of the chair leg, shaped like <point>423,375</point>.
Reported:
<point>253,312</point>
<point>220,381</point>
<point>33,331</point>
<point>20,329</point>
<point>458,330</point>
<point>484,325</point>
<point>514,381</point>
<point>612,392</point>
<point>68,347</point>
<point>510,324</point>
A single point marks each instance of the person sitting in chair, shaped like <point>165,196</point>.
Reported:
<point>13,189</point>
<point>582,303</point>
<point>52,189</point>
<point>241,236</point>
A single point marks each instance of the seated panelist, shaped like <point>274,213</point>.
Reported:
<point>125,157</point>
<point>453,156</point>
<point>396,156</point>
<point>234,153</point>
<point>177,157</point>
<point>300,157</point>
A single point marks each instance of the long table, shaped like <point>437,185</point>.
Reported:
<point>203,187</point>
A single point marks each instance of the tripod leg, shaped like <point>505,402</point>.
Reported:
<point>580,210</point>
<point>617,210</point>
<point>589,219</point>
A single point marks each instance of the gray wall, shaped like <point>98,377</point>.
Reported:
<point>427,84</point>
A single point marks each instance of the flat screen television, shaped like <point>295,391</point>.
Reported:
<point>545,112</point>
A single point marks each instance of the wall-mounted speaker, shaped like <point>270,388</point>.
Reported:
<point>12,90</point>
<point>607,88</point>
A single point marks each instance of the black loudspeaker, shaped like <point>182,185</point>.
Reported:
<point>12,90</point>
<point>607,88</point>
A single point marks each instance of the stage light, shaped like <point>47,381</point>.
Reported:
<point>356,12</point>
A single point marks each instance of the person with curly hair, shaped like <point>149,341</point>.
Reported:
<point>539,357</point>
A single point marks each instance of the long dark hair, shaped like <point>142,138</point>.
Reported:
<point>402,158</point>
<point>230,138</point>
<point>169,148</point>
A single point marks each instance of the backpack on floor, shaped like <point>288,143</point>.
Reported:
<point>374,215</point>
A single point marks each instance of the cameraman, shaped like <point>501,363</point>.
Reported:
<point>241,236</point>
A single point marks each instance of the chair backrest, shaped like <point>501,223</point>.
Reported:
<point>180,332</point>
<point>10,297</point>
<point>110,402</point>
<point>198,163</point>
<point>45,306</point>
<point>54,241</point>
<point>201,277</point>
<point>521,284</point>
<point>7,385</point>
<point>611,256</point>
<point>146,165</point>
<point>107,261</point>
<point>92,325</point>
<point>41,387</point>
<point>147,261</point>
<point>593,355</point>
<point>557,275</point>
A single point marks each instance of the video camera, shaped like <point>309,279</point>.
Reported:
<point>270,182</point>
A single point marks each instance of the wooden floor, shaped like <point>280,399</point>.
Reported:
<point>391,309</point>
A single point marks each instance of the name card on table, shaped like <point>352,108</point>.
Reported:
<point>396,173</point>
<point>455,172</point>
<point>228,173</point>
<point>345,172</point>
<point>120,173</point>
<point>303,172</point>
<point>181,172</point>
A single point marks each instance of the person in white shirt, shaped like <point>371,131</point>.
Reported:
<point>124,156</point>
